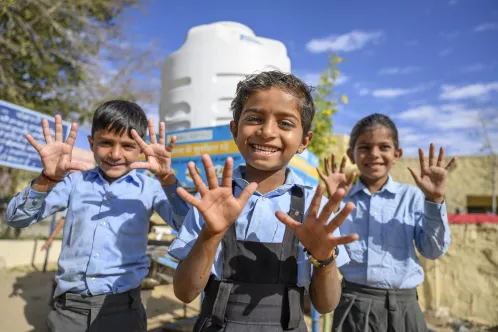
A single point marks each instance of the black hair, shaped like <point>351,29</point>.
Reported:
<point>369,123</point>
<point>269,79</point>
<point>118,116</point>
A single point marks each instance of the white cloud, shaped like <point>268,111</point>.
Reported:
<point>341,79</point>
<point>453,92</point>
<point>348,42</point>
<point>364,92</point>
<point>399,70</point>
<point>486,26</point>
<point>313,79</point>
<point>393,93</point>
<point>445,52</point>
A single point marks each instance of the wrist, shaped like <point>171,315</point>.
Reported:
<point>207,234</point>
<point>167,179</point>
<point>436,200</point>
<point>50,178</point>
<point>319,262</point>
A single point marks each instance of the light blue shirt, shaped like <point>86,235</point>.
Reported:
<point>391,223</point>
<point>257,223</point>
<point>105,232</point>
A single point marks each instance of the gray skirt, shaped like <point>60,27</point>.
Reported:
<point>370,309</point>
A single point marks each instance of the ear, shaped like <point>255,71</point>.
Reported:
<point>233,129</point>
<point>397,154</point>
<point>305,142</point>
<point>90,141</point>
<point>351,155</point>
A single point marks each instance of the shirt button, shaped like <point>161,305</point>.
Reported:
<point>263,198</point>
<point>35,201</point>
<point>173,195</point>
<point>102,223</point>
<point>96,256</point>
<point>93,279</point>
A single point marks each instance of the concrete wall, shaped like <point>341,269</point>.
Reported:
<point>26,252</point>
<point>465,280</point>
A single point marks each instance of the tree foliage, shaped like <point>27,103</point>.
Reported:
<point>326,106</point>
<point>65,57</point>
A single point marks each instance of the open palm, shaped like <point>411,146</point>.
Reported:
<point>158,156</point>
<point>217,205</point>
<point>432,178</point>
<point>316,233</point>
<point>56,154</point>
<point>334,178</point>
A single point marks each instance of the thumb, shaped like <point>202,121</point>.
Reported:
<point>415,176</point>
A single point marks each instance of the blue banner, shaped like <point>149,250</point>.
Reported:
<point>219,144</point>
<point>15,123</point>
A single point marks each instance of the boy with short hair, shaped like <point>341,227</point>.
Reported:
<point>103,260</point>
<point>237,245</point>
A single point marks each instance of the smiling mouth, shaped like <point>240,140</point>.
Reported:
<point>262,149</point>
<point>374,165</point>
<point>114,164</point>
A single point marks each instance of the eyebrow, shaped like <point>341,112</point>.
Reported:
<point>279,112</point>
<point>383,142</point>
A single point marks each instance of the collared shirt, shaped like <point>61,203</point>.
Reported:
<point>391,223</point>
<point>105,232</point>
<point>257,223</point>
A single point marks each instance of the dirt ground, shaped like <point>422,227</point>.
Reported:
<point>25,295</point>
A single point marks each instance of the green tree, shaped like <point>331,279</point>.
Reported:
<point>326,106</point>
<point>52,54</point>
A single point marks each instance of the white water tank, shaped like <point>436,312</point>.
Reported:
<point>199,80</point>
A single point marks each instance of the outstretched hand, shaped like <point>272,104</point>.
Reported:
<point>432,178</point>
<point>158,156</point>
<point>335,179</point>
<point>316,233</point>
<point>217,205</point>
<point>55,155</point>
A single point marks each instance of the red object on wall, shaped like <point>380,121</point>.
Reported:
<point>472,218</point>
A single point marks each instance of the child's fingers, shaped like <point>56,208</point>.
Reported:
<point>285,219</point>
<point>187,197</point>
<point>38,147</point>
<point>315,202</point>
<point>332,205</point>
<point>431,155</point>
<point>342,240</point>
<point>226,180</point>
<point>141,165</point>
<point>343,165</point>
<point>339,218</point>
<point>162,133</point>
<point>421,158</point>
<point>58,128</point>
<point>247,192</point>
<point>416,177</point>
<point>320,174</point>
<point>334,166</point>
<point>73,166</point>
<point>46,131</point>
<point>441,157</point>
<point>73,133</point>
<point>141,143</point>
<point>326,165</point>
<point>171,144</point>
<point>196,178</point>
<point>451,164</point>
<point>210,171</point>
<point>350,180</point>
<point>152,132</point>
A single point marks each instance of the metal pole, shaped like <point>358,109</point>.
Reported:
<point>47,252</point>
<point>315,319</point>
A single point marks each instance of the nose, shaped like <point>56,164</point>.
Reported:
<point>269,129</point>
<point>116,152</point>
<point>375,151</point>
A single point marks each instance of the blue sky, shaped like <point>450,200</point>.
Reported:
<point>431,65</point>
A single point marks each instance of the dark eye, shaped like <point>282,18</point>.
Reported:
<point>287,124</point>
<point>385,147</point>
<point>252,119</point>
<point>105,143</point>
<point>129,147</point>
<point>363,147</point>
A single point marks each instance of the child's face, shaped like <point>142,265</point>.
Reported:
<point>114,153</point>
<point>375,153</point>
<point>269,131</point>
